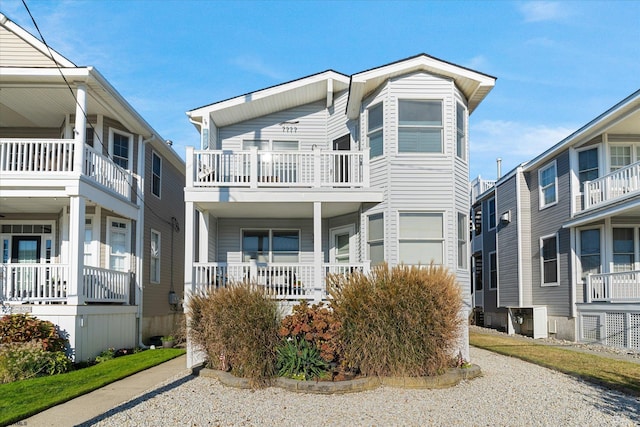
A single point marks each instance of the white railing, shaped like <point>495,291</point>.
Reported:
<point>33,282</point>
<point>614,287</point>
<point>106,173</point>
<point>102,285</point>
<point>253,168</point>
<point>479,186</point>
<point>612,186</point>
<point>36,155</point>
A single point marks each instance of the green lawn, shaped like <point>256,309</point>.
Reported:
<point>22,399</point>
<point>613,374</point>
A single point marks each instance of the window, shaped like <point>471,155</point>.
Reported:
<point>154,272</point>
<point>547,183</point>
<point>420,126</point>
<point>89,136</point>
<point>282,246</point>
<point>119,243</point>
<point>493,271</point>
<point>620,157</point>
<point>590,251</point>
<point>549,260</point>
<point>491,205</point>
<point>156,172</point>
<point>587,166</point>
<point>375,236</point>
<point>623,249</point>
<point>375,130</point>
<point>421,238</point>
<point>120,148</point>
<point>463,228</point>
<point>89,258</point>
<point>461,148</point>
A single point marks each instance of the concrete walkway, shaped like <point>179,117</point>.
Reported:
<point>84,408</point>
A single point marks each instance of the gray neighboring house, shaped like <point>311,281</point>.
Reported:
<point>333,173</point>
<point>567,237</point>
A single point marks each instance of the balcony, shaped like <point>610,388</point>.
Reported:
<point>280,281</point>
<point>22,158</point>
<point>617,185</point>
<point>614,287</point>
<point>479,186</point>
<point>52,283</point>
<point>281,169</point>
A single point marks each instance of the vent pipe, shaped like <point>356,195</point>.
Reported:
<point>499,165</point>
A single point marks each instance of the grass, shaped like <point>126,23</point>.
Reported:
<point>614,374</point>
<point>22,399</point>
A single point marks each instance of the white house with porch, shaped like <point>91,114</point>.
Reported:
<point>76,164</point>
<point>333,173</point>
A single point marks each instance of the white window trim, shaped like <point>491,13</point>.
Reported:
<point>159,195</point>
<point>495,254</point>
<point>378,129</point>
<point>579,250</point>
<point>55,251</point>
<point>271,230</point>
<point>127,259</point>
<point>577,164</point>
<point>557,282</point>
<point>465,155</point>
<point>113,131</point>
<point>444,233</point>
<point>157,257</point>
<point>492,201</point>
<point>368,241</point>
<point>541,202</point>
<point>636,245</point>
<point>351,229</point>
<point>442,152</point>
<point>635,152</point>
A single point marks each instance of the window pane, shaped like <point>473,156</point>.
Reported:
<point>419,140</point>
<point>460,125</point>
<point>590,264</point>
<point>421,225</point>
<point>285,241</point>
<point>418,252</point>
<point>259,144</point>
<point>549,195</point>
<point>590,242</point>
<point>342,244</point>
<point>376,253</point>
<point>376,227</point>
<point>551,272</point>
<point>425,113</point>
<point>156,164</point>
<point>375,117</point>
<point>623,240</point>
<point>255,245</point>
<point>549,248</point>
<point>376,145</point>
<point>620,157</point>
<point>285,145</point>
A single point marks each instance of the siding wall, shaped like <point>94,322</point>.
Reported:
<point>16,52</point>
<point>488,245</point>
<point>507,243</point>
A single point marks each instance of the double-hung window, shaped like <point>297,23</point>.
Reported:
<point>375,238</point>
<point>548,184</point>
<point>156,173</point>
<point>375,121</point>
<point>154,274</point>
<point>121,148</point>
<point>461,146</point>
<point>463,232</point>
<point>279,246</point>
<point>491,217</point>
<point>549,260</point>
<point>623,249</point>
<point>620,156</point>
<point>421,238</point>
<point>587,166</point>
<point>420,126</point>
<point>493,270</point>
<point>119,244</point>
<point>590,251</point>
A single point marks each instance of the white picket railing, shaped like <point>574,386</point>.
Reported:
<point>614,287</point>
<point>254,168</point>
<point>613,186</point>
<point>102,285</point>
<point>105,172</point>
<point>36,155</point>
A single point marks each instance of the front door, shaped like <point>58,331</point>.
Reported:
<point>342,162</point>
<point>342,247</point>
<point>25,250</point>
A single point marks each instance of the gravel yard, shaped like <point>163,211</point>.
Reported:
<point>512,392</point>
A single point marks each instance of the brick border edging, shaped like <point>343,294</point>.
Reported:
<point>450,378</point>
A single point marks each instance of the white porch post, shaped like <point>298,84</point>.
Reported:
<point>189,249</point>
<point>203,238</point>
<point>80,128</point>
<point>319,288</point>
<point>76,250</point>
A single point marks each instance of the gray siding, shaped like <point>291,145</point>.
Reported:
<point>488,245</point>
<point>507,243</point>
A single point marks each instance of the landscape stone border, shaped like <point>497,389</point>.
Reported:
<point>450,378</point>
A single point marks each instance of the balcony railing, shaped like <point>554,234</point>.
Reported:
<point>479,186</point>
<point>57,156</point>
<point>614,186</point>
<point>614,287</point>
<point>33,283</point>
<point>281,281</point>
<point>253,168</point>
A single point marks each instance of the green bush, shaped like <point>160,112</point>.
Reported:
<point>19,361</point>
<point>300,359</point>
<point>403,321</point>
<point>237,327</point>
<point>22,328</point>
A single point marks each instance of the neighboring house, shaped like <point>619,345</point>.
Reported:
<point>333,173</point>
<point>568,236</point>
<point>90,203</point>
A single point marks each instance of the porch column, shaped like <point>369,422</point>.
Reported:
<point>203,238</point>
<point>319,287</point>
<point>80,128</point>
<point>189,248</point>
<point>75,281</point>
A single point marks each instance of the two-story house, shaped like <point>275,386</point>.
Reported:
<point>90,203</point>
<point>333,173</point>
<point>567,235</point>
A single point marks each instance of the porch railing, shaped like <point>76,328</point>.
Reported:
<point>105,172</point>
<point>613,186</point>
<point>36,155</point>
<point>253,168</point>
<point>102,285</point>
<point>614,287</point>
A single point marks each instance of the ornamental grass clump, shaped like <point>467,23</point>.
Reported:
<point>398,322</point>
<point>237,327</point>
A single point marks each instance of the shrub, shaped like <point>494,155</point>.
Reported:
<point>22,328</point>
<point>238,329</point>
<point>300,359</point>
<point>399,322</point>
<point>19,361</point>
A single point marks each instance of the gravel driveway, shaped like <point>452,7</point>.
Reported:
<point>512,392</point>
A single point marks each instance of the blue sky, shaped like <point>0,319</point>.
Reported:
<point>558,64</point>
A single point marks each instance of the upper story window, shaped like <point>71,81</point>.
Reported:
<point>461,132</point>
<point>156,172</point>
<point>491,207</point>
<point>549,260</point>
<point>463,230</point>
<point>587,166</point>
<point>375,120</point>
<point>623,155</point>
<point>548,183</point>
<point>419,126</point>
<point>421,238</point>
<point>120,148</point>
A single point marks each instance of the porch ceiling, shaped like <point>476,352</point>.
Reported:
<point>276,210</point>
<point>29,205</point>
